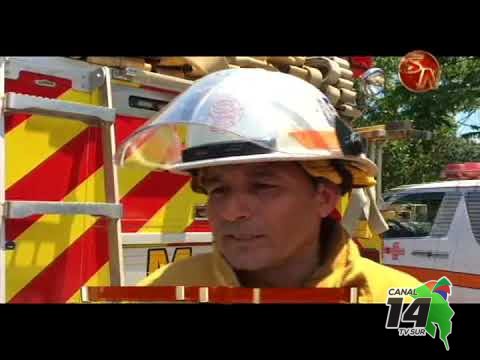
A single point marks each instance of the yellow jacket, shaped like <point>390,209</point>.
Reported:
<point>345,268</point>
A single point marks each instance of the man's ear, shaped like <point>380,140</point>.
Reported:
<point>327,196</point>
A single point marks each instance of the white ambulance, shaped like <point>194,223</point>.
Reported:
<point>434,232</point>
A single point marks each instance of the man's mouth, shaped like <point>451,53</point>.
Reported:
<point>243,237</point>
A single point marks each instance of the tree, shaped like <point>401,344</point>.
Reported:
<point>420,160</point>
<point>417,161</point>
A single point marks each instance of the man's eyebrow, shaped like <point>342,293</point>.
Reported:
<point>264,173</point>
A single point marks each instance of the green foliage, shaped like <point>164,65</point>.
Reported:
<point>417,161</point>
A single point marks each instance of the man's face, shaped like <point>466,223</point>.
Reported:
<point>264,214</point>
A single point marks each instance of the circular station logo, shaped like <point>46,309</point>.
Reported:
<point>419,71</point>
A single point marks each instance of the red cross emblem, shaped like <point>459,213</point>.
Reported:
<point>395,250</point>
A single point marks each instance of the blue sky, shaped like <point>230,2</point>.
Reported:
<point>474,119</point>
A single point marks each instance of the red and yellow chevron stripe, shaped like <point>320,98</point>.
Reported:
<point>59,159</point>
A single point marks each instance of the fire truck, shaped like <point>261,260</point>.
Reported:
<point>70,217</point>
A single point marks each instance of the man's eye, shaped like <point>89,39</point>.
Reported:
<point>262,186</point>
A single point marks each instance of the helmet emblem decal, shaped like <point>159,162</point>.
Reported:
<point>225,113</point>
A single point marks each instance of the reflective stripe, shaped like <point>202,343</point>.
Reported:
<point>41,137</point>
<point>466,280</point>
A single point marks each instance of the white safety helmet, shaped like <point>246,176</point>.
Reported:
<point>242,116</point>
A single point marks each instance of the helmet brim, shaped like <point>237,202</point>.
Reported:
<point>362,162</point>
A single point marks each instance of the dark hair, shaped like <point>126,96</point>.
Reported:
<point>347,178</point>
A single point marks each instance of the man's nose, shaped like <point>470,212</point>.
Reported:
<point>237,206</point>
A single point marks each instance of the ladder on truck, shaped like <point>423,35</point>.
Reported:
<point>93,115</point>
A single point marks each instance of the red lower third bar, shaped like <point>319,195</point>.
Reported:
<point>218,295</point>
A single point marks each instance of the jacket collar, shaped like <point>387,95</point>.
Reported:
<point>337,268</point>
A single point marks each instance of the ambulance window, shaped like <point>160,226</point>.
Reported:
<point>473,207</point>
<point>412,215</point>
<point>446,213</point>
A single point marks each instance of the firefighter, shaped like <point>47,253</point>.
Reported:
<point>274,159</point>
